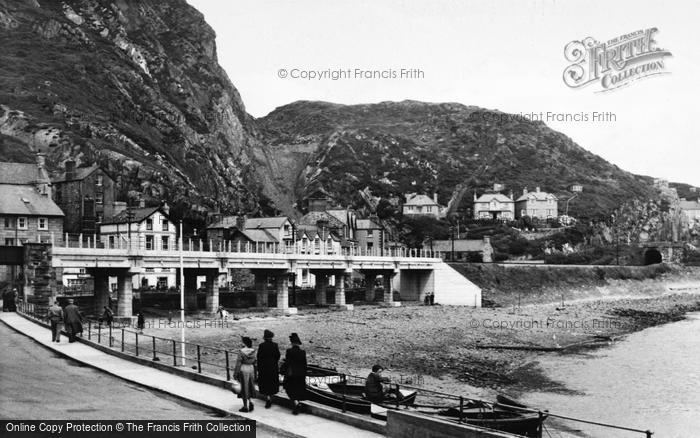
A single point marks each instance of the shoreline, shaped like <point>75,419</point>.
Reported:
<point>444,348</point>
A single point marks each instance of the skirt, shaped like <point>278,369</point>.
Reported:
<point>247,376</point>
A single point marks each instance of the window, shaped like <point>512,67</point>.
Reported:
<point>149,242</point>
<point>99,180</point>
<point>162,283</point>
<point>111,241</point>
<point>165,225</point>
<point>8,222</point>
<point>99,198</point>
<point>22,223</point>
<point>43,223</point>
<point>370,233</point>
<point>164,242</point>
<point>150,270</point>
<point>149,225</point>
<point>9,241</point>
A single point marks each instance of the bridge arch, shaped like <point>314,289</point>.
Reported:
<point>652,256</point>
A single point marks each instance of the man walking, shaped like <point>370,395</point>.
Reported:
<point>55,318</point>
<point>73,320</point>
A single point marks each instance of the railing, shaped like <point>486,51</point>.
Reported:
<point>220,362</point>
<point>140,243</point>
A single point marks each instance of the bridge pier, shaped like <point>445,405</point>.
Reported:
<point>101,281</point>
<point>212,290</point>
<point>125,295</point>
<point>369,287</point>
<point>190,290</point>
<point>388,290</point>
<point>261,295</point>
<point>282,286</point>
<point>321,286</point>
<point>340,293</point>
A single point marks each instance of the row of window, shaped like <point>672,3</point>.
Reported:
<point>22,222</point>
<point>164,224</point>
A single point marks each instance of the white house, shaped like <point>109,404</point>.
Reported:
<point>147,228</point>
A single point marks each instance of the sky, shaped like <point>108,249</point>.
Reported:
<point>502,55</point>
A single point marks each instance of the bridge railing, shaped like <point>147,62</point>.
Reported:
<point>171,244</point>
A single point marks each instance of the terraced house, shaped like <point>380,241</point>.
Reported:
<point>27,212</point>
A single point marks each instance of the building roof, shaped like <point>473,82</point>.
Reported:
<point>488,197</point>
<point>19,173</point>
<point>265,222</point>
<point>24,200</point>
<point>79,174</point>
<point>139,215</point>
<point>310,231</point>
<point>258,235</point>
<point>689,205</point>
<point>461,245</point>
<point>250,223</point>
<point>420,200</point>
<point>537,195</point>
<point>368,224</point>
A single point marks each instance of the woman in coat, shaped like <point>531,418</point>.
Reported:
<point>295,372</point>
<point>245,373</point>
<point>268,368</point>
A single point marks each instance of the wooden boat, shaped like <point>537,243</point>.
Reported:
<point>526,424</point>
<point>325,386</point>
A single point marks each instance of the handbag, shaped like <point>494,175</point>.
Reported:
<point>236,387</point>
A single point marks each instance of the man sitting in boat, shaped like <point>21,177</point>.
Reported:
<point>374,390</point>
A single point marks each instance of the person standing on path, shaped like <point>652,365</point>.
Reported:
<point>268,368</point>
<point>108,316</point>
<point>73,320</point>
<point>55,317</point>
<point>245,373</point>
<point>294,370</point>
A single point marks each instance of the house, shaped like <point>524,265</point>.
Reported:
<point>272,231</point>
<point>317,241</point>
<point>370,234</point>
<point>27,212</point>
<point>148,228</point>
<point>465,250</point>
<point>494,205</point>
<point>421,205</point>
<point>537,204</point>
<point>342,222</point>
<point>86,195</point>
<point>691,209</point>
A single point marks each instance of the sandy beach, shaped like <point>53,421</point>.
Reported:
<point>460,350</point>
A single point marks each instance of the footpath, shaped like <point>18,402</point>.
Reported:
<point>277,419</point>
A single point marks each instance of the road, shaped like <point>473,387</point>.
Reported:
<point>37,384</point>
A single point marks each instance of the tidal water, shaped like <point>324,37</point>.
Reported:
<point>650,380</point>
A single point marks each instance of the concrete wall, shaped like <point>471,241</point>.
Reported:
<point>401,424</point>
<point>452,288</point>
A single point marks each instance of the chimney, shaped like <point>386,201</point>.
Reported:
<point>435,197</point>
<point>487,240</point>
<point>40,160</point>
<point>240,222</point>
<point>70,169</point>
<point>525,191</point>
<point>142,203</point>
<point>510,195</point>
<point>475,196</point>
<point>166,208</point>
<point>118,207</point>
<point>537,189</point>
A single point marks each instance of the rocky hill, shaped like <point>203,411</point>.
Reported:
<point>136,87</point>
<point>400,147</point>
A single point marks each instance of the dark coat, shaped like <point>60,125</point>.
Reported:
<point>268,368</point>
<point>295,377</point>
<point>73,319</point>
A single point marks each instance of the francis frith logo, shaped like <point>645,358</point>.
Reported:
<point>616,62</point>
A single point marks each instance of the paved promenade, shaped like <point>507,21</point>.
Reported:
<point>277,420</point>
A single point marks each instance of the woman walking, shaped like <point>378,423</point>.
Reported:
<point>295,372</point>
<point>245,371</point>
<point>268,368</point>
